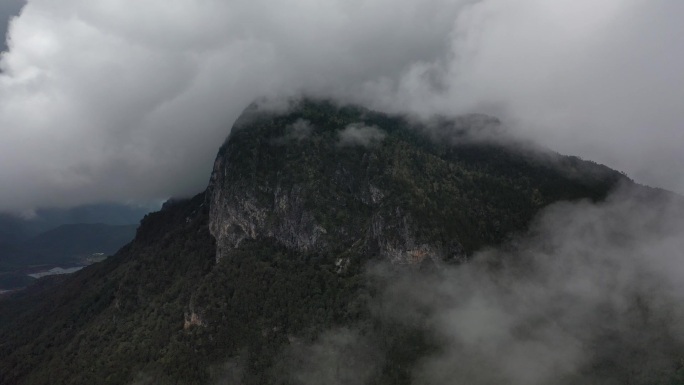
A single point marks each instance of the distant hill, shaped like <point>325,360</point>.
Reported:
<point>64,245</point>
<point>14,229</point>
<point>107,213</point>
<point>77,240</point>
<point>63,236</point>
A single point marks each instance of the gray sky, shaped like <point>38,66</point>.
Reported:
<point>127,101</point>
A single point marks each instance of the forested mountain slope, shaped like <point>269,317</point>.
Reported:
<point>223,287</point>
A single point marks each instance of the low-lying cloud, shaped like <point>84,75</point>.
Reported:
<point>297,131</point>
<point>338,357</point>
<point>118,100</point>
<point>593,294</point>
<point>360,135</point>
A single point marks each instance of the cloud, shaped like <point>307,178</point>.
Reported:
<point>593,294</point>
<point>598,80</point>
<point>118,100</point>
<point>297,131</point>
<point>8,9</point>
<point>338,357</point>
<point>360,135</point>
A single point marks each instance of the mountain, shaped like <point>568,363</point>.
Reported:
<point>78,240</point>
<point>236,284</point>
<point>14,229</point>
<point>66,244</point>
<point>62,237</point>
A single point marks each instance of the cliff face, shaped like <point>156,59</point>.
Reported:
<point>307,212</point>
<point>309,192</point>
<point>329,179</point>
<point>275,250</point>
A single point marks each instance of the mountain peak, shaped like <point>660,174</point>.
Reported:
<point>297,175</point>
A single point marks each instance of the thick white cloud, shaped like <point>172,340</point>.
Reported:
<point>591,295</point>
<point>128,100</point>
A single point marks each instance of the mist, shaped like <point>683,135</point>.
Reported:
<point>592,294</point>
<point>123,101</point>
<point>360,135</point>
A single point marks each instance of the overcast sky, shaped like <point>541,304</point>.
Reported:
<point>129,100</point>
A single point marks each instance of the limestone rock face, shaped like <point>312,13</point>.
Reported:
<point>327,179</point>
<point>236,215</point>
<point>314,194</point>
<point>284,212</point>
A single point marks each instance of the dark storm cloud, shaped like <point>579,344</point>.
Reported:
<point>99,102</point>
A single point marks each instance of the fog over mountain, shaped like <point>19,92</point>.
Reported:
<point>117,100</point>
<point>591,295</point>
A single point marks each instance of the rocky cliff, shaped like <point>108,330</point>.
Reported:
<point>331,179</point>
